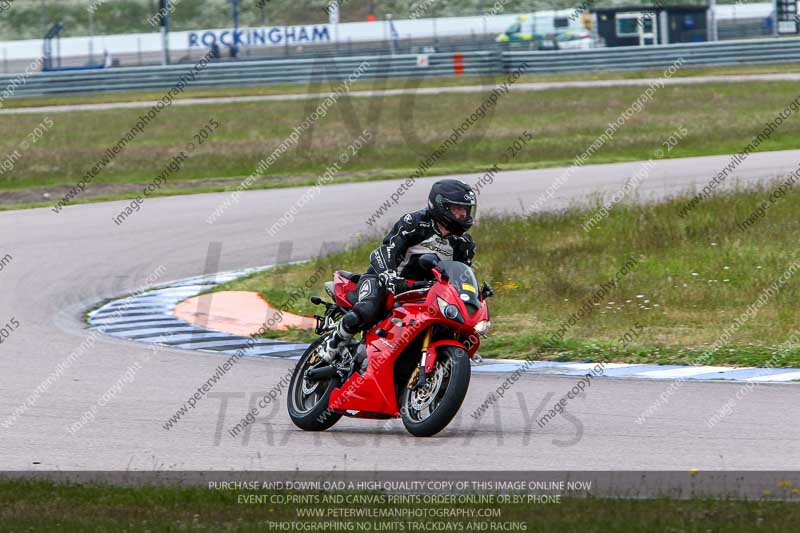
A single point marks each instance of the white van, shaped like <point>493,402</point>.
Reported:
<point>541,25</point>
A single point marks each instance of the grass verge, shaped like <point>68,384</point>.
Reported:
<point>405,128</point>
<point>694,278</point>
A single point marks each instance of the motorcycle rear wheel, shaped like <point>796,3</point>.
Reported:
<point>308,402</point>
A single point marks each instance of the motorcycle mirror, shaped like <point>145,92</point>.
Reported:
<point>486,290</point>
<point>428,261</point>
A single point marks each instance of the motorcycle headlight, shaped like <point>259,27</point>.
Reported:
<point>449,311</point>
<point>482,327</point>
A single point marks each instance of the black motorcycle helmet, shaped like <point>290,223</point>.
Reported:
<point>446,193</point>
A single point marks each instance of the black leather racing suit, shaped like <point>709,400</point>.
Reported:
<point>412,236</point>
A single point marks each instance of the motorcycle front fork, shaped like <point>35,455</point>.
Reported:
<point>419,372</point>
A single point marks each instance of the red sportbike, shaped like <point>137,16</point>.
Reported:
<point>415,363</point>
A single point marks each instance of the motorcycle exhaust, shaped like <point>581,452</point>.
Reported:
<point>318,374</point>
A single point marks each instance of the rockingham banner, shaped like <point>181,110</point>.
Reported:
<point>302,35</point>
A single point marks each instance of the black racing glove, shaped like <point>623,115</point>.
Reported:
<point>391,281</point>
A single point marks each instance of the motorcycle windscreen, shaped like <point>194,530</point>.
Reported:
<point>463,279</point>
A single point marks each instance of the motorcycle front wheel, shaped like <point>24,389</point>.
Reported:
<point>429,408</point>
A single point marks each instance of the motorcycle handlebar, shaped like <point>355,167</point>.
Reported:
<point>416,286</point>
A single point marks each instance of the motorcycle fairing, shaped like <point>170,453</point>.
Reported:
<point>374,391</point>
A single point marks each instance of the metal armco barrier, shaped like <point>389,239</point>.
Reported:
<point>254,73</point>
<point>725,53</point>
<point>756,51</point>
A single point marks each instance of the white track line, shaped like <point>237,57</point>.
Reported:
<point>684,372</point>
<point>787,376</point>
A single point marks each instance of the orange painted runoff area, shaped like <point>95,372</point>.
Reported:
<point>236,312</point>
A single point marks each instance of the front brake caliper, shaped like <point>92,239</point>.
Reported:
<point>412,381</point>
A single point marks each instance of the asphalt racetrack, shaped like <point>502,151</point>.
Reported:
<point>63,264</point>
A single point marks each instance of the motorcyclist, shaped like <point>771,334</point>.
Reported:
<point>440,229</point>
